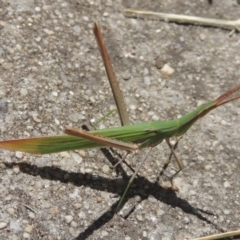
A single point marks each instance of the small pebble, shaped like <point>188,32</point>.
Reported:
<point>144,234</point>
<point>2,165</point>
<point>41,162</point>
<point>137,198</point>
<point>76,157</point>
<point>28,228</point>
<point>55,94</point>
<point>105,14</point>
<point>126,75</point>
<point>31,215</point>
<point>11,211</point>
<point>200,158</point>
<point>208,167</point>
<point>152,199</point>
<point>26,235</point>
<point>3,225</point>
<point>132,107</point>
<point>85,18</point>
<point>192,192</point>
<point>139,218</point>
<point>23,92</point>
<point>155,118</point>
<point>167,70</point>
<point>226,184</point>
<point>88,170</point>
<point>186,220</point>
<point>37,9</point>
<point>99,199</point>
<point>144,94</point>
<point>82,153</point>
<point>160,212</point>
<point>64,155</point>
<point>202,36</point>
<point>82,215</point>
<point>220,219</point>
<point>16,169</point>
<point>147,80</point>
<point>73,117</point>
<point>74,224</point>
<point>105,168</point>
<point>36,119</point>
<point>227,211</point>
<point>19,154</point>
<point>54,210</point>
<point>68,218</point>
<point>104,233</point>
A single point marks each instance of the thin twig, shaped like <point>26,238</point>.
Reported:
<point>220,236</point>
<point>30,208</point>
<point>211,22</point>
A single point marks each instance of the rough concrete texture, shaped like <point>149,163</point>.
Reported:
<point>52,76</point>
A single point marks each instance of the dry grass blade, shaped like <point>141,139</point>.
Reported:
<point>211,22</point>
<point>221,235</point>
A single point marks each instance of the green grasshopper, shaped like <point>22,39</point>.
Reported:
<point>128,137</point>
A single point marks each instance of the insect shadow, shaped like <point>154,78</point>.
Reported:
<point>100,183</point>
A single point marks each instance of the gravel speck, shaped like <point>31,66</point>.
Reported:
<point>36,119</point>
<point>28,228</point>
<point>19,155</point>
<point>226,184</point>
<point>139,217</point>
<point>167,70</point>
<point>208,167</point>
<point>82,215</point>
<point>73,117</point>
<point>104,233</point>
<point>144,94</point>
<point>202,36</point>
<point>65,155</point>
<point>11,211</point>
<point>68,218</point>
<point>31,215</point>
<point>26,235</point>
<point>16,169</point>
<point>152,199</point>
<point>41,161</point>
<point>88,170</point>
<point>126,75</point>
<point>54,210</point>
<point>74,224</point>
<point>76,157</point>
<point>147,80</point>
<point>82,153</point>
<point>105,169</point>
<point>160,212</point>
<point>23,92</point>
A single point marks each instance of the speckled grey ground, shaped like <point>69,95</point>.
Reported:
<point>52,76</point>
